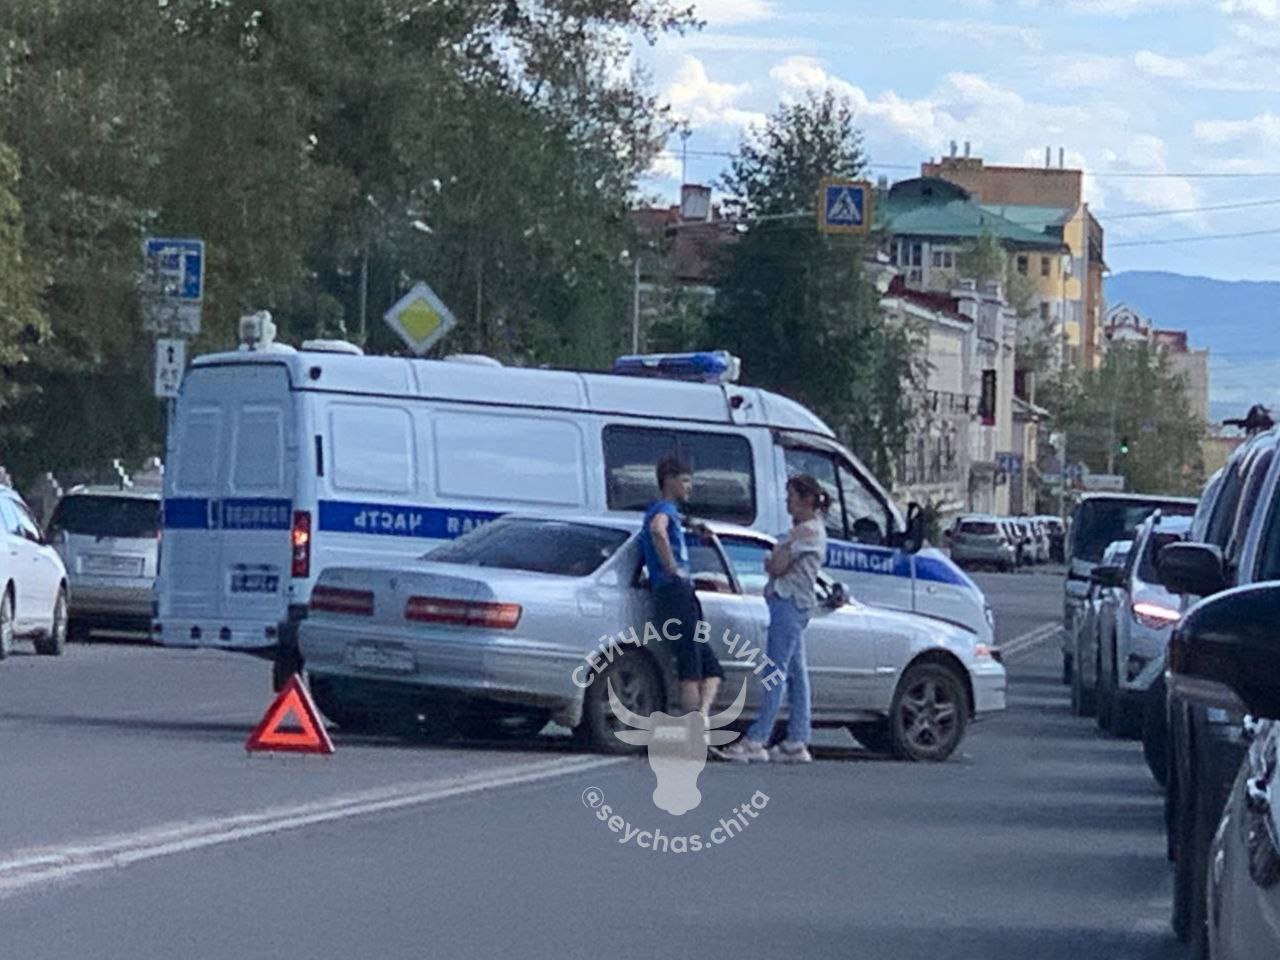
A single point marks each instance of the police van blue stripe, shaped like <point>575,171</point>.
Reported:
<point>398,520</point>
<point>185,513</point>
<point>240,513</point>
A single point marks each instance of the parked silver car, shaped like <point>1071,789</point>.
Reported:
<point>982,541</point>
<point>515,620</point>
<point>1105,584</point>
<point>109,541</point>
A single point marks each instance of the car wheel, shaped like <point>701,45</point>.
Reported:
<point>1082,700</point>
<point>78,632</point>
<point>54,643</point>
<point>1066,669</point>
<point>927,719</point>
<point>1155,734</point>
<point>350,718</point>
<point>1106,703</point>
<point>874,735</point>
<point>639,687</point>
<point>6,624</point>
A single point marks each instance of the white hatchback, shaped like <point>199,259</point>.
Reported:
<point>33,581</point>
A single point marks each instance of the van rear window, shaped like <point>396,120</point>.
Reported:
<point>90,516</point>
<point>1099,523</point>
<point>978,528</point>
<point>724,485</point>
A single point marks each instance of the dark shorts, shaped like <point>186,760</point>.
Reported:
<point>677,601</point>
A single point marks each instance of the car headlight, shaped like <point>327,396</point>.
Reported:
<point>991,617</point>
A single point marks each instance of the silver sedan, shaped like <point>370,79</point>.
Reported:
<point>521,621</point>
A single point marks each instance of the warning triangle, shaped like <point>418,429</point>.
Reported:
<point>292,708</point>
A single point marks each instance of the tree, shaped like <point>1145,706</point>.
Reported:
<point>1135,396</point>
<point>22,325</point>
<point>796,305</point>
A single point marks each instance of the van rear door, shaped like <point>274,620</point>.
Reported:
<point>227,550</point>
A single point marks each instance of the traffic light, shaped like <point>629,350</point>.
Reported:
<point>1124,446</point>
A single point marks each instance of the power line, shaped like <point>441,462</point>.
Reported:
<point>1207,236</point>
<point>1137,214</point>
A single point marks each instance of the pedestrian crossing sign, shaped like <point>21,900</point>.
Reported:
<point>844,206</point>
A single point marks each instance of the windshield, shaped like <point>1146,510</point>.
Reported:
<point>95,516</point>
<point>1099,523</point>
<point>538,546</point>
<point>978,528</point>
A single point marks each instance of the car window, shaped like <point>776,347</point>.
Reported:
<point>1151,551</point>
<point>540,546</point>
<point>1269,555</point>
<point>1250,493</point>
<point>822,467</point>
<point>747,558</point>
<point>867,518</point>
<point>9,517</point>
<point>98,516</point>
<point>28,526</point>
<point>978,528</point>
<point>724,486</point>
<point>1224,510</point>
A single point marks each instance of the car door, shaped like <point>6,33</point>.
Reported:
<point>737,621</point>
<point>31,570</point>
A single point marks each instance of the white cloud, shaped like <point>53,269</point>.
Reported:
<point>1156,65</point>
<point>704,102</point>
<point>1112,8</point>
<point>1268,10</point>
<point>738,43</point>
<point>723,13</point>
<point>1265,126</point>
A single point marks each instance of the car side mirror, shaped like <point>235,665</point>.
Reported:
<point>912,538</point>
<point>1192,568</point>
<point>836,596</point>
<point>1108,576</point>
<point>1227,650</point>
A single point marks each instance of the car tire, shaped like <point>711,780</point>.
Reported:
<point>1155,734</point>
<point>874,735</point>
<point>78,632</point>
<point>7,627</point>
<point>1103,716</point>
<point>916,732</point>
<point>1083,702</point>
<point>1066,669</point>
<point>54,643</point>
<point>638,685</point>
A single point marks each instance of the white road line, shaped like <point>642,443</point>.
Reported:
<point>1031,638</point>
<point>22,870</point>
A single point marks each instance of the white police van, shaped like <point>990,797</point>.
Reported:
<point>282,463</point>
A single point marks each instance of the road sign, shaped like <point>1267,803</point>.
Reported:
<point>1075,471</point>
<point>294,701</point>
<point>1010,463</point>
<point>844,206</point>
<point>1104,483</point>
<point>172,284</point>
<point>421,319</point>
<point>171,361</point>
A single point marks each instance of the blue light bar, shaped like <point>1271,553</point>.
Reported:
<point>713,366</point>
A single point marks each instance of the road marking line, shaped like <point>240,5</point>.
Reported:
<point>28,869</point>
<point>1031,638</point>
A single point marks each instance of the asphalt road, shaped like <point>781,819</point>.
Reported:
<point>146,832</point>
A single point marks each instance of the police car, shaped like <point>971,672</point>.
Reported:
<point>286,462</point>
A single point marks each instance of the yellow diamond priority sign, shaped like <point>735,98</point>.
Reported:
<point>421,319</point>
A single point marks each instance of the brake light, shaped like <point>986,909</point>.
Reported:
<point>463,613</point>
<point>302,544</point>
<point>338,600</point>
<point>1154,616</point>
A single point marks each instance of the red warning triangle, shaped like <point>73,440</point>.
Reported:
<point>294,703</point>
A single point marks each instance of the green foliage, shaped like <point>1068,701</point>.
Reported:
<point>796,305</point>
<point>299,139</point>
<point>22,325</point>
<point>982,260</point>
<point>1134,395</point>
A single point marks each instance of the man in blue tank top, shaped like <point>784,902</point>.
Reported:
<point>666,556</point>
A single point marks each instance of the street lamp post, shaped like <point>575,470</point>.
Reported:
<point>635,306</point>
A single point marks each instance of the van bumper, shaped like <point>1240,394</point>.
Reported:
<point>990,688</point>
<point>229,635</point>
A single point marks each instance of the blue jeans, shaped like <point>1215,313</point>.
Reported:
<point>786,650</point>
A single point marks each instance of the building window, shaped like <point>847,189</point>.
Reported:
<point>1023,264</point>
<point>1045,266</point>
<point>944,259</point>
<point>917,255</point>
<point>1044,311</point>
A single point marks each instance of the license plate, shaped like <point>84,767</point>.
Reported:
<point>255,583</point>
<point>113,566</point>
<point>387,659</point>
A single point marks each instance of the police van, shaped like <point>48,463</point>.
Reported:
<point>283,462</point>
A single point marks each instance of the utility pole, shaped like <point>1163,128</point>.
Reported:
<point>635,306</point>
<point>685,133</point>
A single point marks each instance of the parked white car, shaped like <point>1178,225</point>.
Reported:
<point>33,581</point>
<point>511,624</point>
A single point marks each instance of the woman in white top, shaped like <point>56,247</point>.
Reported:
<point>791,593</point>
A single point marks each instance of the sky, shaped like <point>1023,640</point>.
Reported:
<point>1147,96</point>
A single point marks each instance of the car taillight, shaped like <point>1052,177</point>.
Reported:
<point>1154,616</point>
<point>302,544</point>
<point>339,600</point>
<point>463,613</point>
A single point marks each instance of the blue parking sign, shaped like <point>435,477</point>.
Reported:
<point>176,266</point>
<point>844,206</point>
